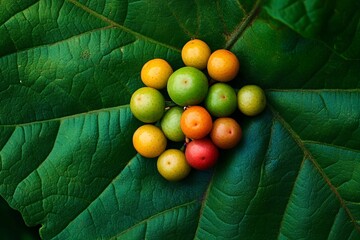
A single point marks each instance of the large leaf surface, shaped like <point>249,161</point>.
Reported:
<point>336,23</point>
<point>68,69</point>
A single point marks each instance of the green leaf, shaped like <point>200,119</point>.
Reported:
<point>336,23</point>
<point>67,72</point>
<point>276,57</point>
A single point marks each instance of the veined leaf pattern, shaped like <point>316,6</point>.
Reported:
<point>67,72</point>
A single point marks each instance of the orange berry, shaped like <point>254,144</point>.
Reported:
<point>195,53</point>
<point>149,141</point>
<point>196,122</point>
<point>223,65</point>
<point>155,73</point>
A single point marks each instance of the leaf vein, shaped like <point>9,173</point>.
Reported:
<point>311,158</point>
<point>58,42</point>
<point>330,145</point>
<point>97,111</point>
<point>154,216</point>
<point>22,10</point>
<point>122,27</point>
<point>239,30</point>
<point>291,195</point>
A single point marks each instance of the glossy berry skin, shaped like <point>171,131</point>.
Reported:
<point>155,73</point>
<point>251,100</point>
<point>223,65</point>
<point>226,133</point>
<point>195,53</point>
<point>149,141</point>
<point>172,165</point>
<point>147,104</point>
<point>170,124</point>
<point>221,100</point>
<point>196,122</point>
<point>187,86</point>
<point>201,154</point>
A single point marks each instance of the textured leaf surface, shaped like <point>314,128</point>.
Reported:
<point>334,22</point>
<point>68,69</point>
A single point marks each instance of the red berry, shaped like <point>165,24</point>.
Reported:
<point>201,154</point>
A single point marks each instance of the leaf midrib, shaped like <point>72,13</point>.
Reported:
<point>60,119</point>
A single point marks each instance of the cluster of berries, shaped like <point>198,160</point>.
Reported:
<point>201,117</point>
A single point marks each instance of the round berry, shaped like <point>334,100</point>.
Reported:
<point>251,100</point>
<point>187,86</point>
<point>149,141</point>
<point>155,73</point>
<point>223,65</point>
<point>147,104</point>
<point>172,165</point>
<point>196,53</point>
<point>196,122</point>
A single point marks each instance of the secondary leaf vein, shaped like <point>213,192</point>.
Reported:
<point>307,154</point>
<point>115,24</point>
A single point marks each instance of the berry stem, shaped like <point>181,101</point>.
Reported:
<point>183,147</point>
